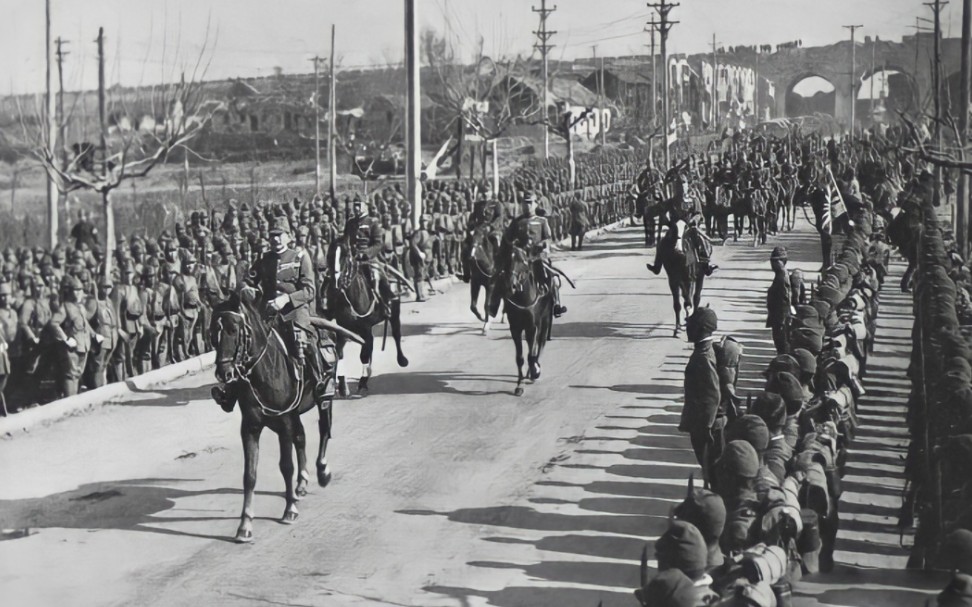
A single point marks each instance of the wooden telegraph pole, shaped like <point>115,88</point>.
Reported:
<point>853,78</point>
<point>664,25</point>
<point>332,125</point>
<point>413,124</point>
<point>962,202</point>
<point>52,219</point>
<point>543,36</point>
<point>317,124</point>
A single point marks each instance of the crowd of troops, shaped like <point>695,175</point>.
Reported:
<point>772,465</point>
<point>67,325</point>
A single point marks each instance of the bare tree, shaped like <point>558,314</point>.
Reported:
<point>483,99</point>
<point>143,126</point>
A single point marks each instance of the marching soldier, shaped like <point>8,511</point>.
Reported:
<point>779,301</point>
<point>187,291</point>
<point>103,318</point>
<point>420,252</point>
<point>702,417</point>
<point>128,315</point>
<point>150,345</point>
<point>9,347</point>
<point>72,336</point>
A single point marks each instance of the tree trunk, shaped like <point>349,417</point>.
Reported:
<point>13,188</point>
<point>109,230</point>
<point>570,161</point>
<point>482,158</point>
<point>472,162</point>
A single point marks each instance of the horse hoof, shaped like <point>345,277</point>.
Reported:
<point>301,492</point>
<point>518,391</point>
<point>363,391</point>
<point>402,361</point>
<point>243,536</point>
<point>289,518</point>
<point>343,387</point>
<point>324,476</point>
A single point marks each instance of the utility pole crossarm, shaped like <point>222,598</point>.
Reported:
<point>664,25</point>
<point>543,36</point>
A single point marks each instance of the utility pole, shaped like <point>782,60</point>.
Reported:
<point>654,78</point>
<point>106,196</point>
<point>664,25</point>
<point>413,113</point>
<point>872,81</point>
<point>543,35</point>
<point>51,129</point>
<point>715,89</point>
<point>853,77</point>
<point>317,124</point>
<point>61,54</point>
<point>937,7</point>
<point>962,202</point>
<point>332,126</point>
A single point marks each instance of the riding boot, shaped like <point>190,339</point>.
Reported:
<point>323,387</point>
<point>225,396</point>
<point>464,275</point>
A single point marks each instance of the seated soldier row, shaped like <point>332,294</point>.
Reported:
<point>768,511</point>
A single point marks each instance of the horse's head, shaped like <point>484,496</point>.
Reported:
<point>340,260</point>
<point>521,270</point>
<point>231,332</point>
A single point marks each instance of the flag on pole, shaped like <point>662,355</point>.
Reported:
<point>672,135</point>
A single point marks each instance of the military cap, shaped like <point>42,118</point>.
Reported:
<point>770,407</point>
<point>956,551</point>
<point>829,294</point>
<point>778,253</point>
<point>72,282</point>
<point>669,588</point>
<point>105,281</point>
<point>682,547</point>
<point>150,269</point>
<point>5,288</point>
<point>739,458</point>
<point>701,324</point>
<point>791,391</point>
<point>781,363</point>
<point>750,428</point>
<point>744,593</point>
<point>707,512</point>
<point>958,592</point>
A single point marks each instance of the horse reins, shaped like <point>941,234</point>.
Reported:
<point>243,369</point>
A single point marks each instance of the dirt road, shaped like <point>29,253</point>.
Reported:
<point>448,490</point>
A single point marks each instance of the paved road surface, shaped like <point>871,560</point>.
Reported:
<point>448,490</point>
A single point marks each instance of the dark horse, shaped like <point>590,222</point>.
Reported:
<point>249,350</point>
<point>482,266</point>
<point>685,274</point>
<point>353,305</point>
<point>529,310</point>
<point>751,203</point>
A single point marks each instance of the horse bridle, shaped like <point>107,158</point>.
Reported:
<point>242,369</point>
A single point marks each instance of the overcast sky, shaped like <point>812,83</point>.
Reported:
<point>152,40</point>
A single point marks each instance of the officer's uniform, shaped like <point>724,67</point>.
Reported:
<point>779,301</point>
<point>70,322</point>
<point>367,246</point>
<point>703,394</point>
<point>150,347</point>
<point>128,315</point>
<point>103,318</point>
<point>187,290</point>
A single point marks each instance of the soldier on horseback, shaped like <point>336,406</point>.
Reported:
<point>684,208</point>
<point>531,233</point>
<point>487,211</point>
<point>367,242</point>
<point>285,277</point>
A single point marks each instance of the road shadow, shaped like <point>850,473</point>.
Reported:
<point>127,505</point>
<point>418,382</point>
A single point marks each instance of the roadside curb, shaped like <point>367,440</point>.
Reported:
<point>116,393</point>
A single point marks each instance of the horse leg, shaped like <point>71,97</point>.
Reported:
<point>517,334</point>
<point>533,356</point>
<point>342,383</point>
<point>697,297</point>
<point>324,422</point>
<point>300,445</point>
<point>676,305</point>
<point>287,470</point>
<point>251,457</point>
<point>396,325</point>
<point>366,355</point>
<point>754,228</point>
<point>474,298</point>
<point>486,318</point>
